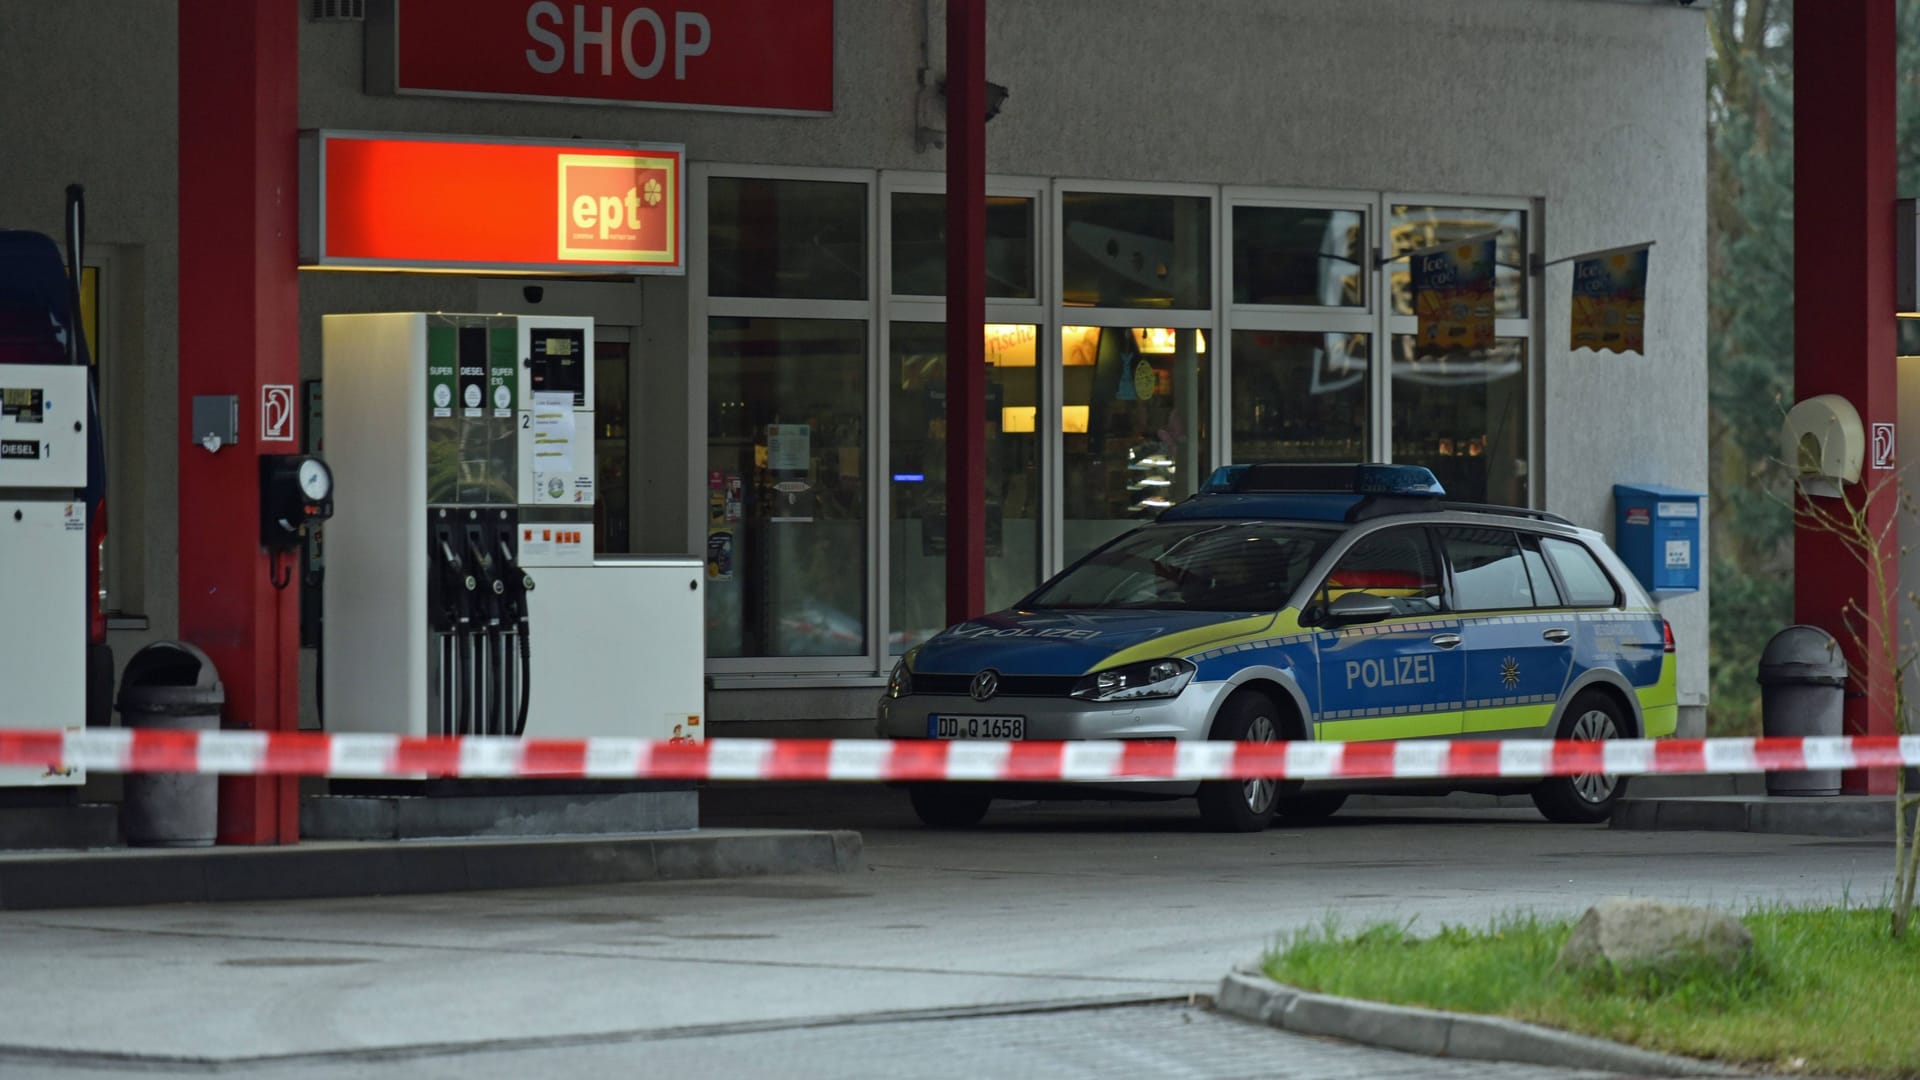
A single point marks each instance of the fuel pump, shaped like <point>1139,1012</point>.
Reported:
<point>464,450</point>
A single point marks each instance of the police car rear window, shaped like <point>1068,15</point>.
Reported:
<point>1587,584</point>
<point>1192,566</point>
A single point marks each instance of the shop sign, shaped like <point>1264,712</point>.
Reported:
<point>736,55</point>
<point>411,202</point>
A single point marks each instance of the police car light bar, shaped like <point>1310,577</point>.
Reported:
<point>1370,479</point>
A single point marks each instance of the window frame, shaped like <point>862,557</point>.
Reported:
<point>700,308</point>
<point>1526,327</point>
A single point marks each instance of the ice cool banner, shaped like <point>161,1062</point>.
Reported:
<point>1610,300</point>
<point>1453,293</point>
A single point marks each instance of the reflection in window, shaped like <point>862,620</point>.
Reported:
<point>1134,417</point>
<point>786,238</point>
<point>1396,565</point>
<point>1287,255</point>
<point>1194,566</point>
<point>1411,228</point>
<point>786,486</point>
<point>1142,251</point>
<point>1464,415</point>
<point>917,488</point>
<point>1587,584</point>
<point>1300,396</point>
<point>920,246</point>
<point>1488,571</point>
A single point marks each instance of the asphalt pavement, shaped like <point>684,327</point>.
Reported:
<point>1083,930</point>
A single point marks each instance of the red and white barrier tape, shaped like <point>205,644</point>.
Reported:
<point>396,756</point>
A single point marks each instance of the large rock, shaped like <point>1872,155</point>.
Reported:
<point>1638,935</point>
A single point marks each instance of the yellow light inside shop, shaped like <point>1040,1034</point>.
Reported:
<point>1018,419</point>
<point>1012,344</point>
<point>1163,340</point>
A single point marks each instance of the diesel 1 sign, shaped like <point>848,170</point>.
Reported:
<point>740,55</point>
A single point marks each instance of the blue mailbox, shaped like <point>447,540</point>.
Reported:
<point>1657,534</point>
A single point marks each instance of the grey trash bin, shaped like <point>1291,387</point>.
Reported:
<point>1803,686</point>
<point>172,686</point>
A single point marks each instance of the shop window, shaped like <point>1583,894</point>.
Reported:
<point>1134,422</point>
<point>917,490</point>
<point>794,239</point>
<point>787,564</point>
<point>920,245</point>
<point>1299,257</point>
<point>1410,228</point>
<point>1300,396</point>
<point>1463,414</point>
<point>1136,251</point>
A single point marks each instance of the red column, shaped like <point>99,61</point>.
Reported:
<point>239,331</point>
<point>1843,321</point>
<point>966,308</point>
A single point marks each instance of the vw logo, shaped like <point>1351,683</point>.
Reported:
<point>985,685</point>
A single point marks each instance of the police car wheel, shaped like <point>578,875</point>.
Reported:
<point>1314,806</point>
<point>949,806</point>
<point>1588,798</point>
<point>1235,805</point>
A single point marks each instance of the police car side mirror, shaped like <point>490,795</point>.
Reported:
<point>1359,607</point>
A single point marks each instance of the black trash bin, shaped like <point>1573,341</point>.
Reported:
<point>172,686</point>
<point>1803,686</point>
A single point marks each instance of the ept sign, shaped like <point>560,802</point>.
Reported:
<point>744,55</point>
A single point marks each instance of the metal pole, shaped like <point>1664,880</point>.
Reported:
<point>966,308</point>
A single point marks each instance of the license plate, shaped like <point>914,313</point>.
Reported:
<point>1012,728</point>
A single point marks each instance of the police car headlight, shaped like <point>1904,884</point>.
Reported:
<point>1136,682</point>
<point>900,683</point>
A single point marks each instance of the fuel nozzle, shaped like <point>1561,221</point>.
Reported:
<point>490,588</point>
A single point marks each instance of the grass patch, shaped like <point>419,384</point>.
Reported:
<point>1824,991</point>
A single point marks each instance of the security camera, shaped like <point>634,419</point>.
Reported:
<point>996,97</point>
<point>533,293</point>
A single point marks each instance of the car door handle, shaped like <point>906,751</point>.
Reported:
<point>1556,634</point>
<point>1446,641</point>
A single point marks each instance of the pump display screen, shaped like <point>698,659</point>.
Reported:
<point>559,362</point>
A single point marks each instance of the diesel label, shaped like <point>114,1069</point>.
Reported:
<point>20,449</point>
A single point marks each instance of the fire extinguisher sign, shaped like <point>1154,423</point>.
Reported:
<point>276,413</point>
<point>1883,446</point>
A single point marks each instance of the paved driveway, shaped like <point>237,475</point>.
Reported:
<point>1041,907</point>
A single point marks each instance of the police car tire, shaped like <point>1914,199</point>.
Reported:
<point>1313,806</point>
<point>949,806</point>
<point>1557,798</point>
<point>1223,803</point>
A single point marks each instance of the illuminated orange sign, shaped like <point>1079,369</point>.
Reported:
<point>401,202</point>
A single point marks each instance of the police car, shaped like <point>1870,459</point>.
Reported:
<point>1334,603</point>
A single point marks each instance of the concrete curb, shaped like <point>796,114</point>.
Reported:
<point>1250,995</point>
<point>336,869</point>
<point>1834,815</point>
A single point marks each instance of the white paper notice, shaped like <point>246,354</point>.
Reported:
<point>553,432</point>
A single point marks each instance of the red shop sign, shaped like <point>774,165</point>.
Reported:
<point>740,55</point>
<point>413,202</point>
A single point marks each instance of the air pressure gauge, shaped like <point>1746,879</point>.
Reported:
<point>316,480</point>
<point>296,490</point>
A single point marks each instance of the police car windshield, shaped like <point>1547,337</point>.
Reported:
<point>1193,566</point>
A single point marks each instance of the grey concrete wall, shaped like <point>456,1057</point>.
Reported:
<point>1595,109</point>
<point>87,95</point>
